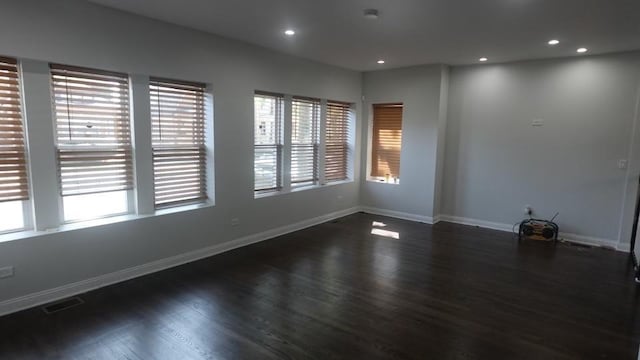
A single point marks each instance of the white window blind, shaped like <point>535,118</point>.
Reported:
<point>337,141</point>
<point>178,140</point>
<point>92,130</point>
<point>14,184</point>
<point>305,120</point>
<point>268,123</point>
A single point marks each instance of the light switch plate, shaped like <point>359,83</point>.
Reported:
<point>537,122</point>
<point>6,272</point>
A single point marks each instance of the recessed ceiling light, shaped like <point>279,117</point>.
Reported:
<point>554,42</point>
<point>371,14</point>
<point>380,61</point>
<point>582,50</point>
<point>289,32</point>
<point>483,59</point>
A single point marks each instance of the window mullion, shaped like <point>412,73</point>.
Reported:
<point>286,148</point>
<point>40,139</point>
<point>323,143</point>
<point>142,150</point>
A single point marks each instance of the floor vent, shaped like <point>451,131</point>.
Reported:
<point>62,305</point>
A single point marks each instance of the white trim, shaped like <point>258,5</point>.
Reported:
<point>475,222</point>
<point>569,237</point>
<point>49,295</point>
<point>397,214</point>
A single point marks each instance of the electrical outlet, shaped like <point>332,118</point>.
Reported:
<point>622,164</point>
<point>235,222</point>
<point>528,210</point>
<point>6,272</point>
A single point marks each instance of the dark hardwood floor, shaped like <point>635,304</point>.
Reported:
<point>335,291</point>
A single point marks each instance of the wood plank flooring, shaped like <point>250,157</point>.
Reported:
<point>335,291</point>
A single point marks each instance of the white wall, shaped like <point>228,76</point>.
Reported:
<point>496,162</point>
<point>418,88</point>
<point>493,164</point>
<point>78,33</point>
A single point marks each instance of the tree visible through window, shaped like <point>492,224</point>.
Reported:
<point>268,123</point>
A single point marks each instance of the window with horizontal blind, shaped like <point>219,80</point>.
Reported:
<point>268,127</point>
<point>178,141</point>
<point>93,139</point>
<point>14,185</point>
<point>386,141</point>
<point>305,121</point>
<point>337,141</point>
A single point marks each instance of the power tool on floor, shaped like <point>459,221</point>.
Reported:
<point>538,229</point>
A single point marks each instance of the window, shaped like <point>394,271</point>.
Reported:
<point>336,141</point>
<point>386,141</point>
<point>178,141</point>
<point>305,120</point>
<point>268,123</point>
<point>14,185</point>
<point>93,139</point>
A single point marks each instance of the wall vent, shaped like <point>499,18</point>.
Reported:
<point>62,305</point>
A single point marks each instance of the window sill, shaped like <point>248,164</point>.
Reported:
<point>267,194</point>
<point>17,235</point>
<point>382,181</point>
<point>181,208</point>
<point>302,188</point>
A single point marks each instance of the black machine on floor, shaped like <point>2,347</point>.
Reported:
<point>537,229</point>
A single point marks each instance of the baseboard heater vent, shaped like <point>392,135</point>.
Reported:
<point>62,305</point>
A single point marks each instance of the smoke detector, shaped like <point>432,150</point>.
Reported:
<point>371,14</point>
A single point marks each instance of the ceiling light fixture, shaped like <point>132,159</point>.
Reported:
<point>380,62</point>
<point>289,32</point>
<point>371,14</point>
<point>582,50</point>
<point>483,59</point>
<point>553,42</point>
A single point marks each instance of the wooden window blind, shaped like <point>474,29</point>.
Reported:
<point>305,120</point>
<point>13,164</point>
<point>337,141</point>
<point>178,141</point>
<point>93,132</point>
<point>268,123</point>
<point>387,140</point>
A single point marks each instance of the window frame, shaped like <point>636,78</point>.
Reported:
<point>316,120</point>
<point>26,203</point>
<point>128,147</point>
<point>371,176</point>
<point>199,90</point>
<point>279,144</point>
<point>348,135</point>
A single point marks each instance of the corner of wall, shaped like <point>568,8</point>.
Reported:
<point>440,147</point>
<point>630,197</point>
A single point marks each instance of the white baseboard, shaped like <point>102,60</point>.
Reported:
<point>624,247</point>
<point>61,292</point>
<point>574,238</point>
<point>591,241</point>
<point>397,214</point>
<point>475,222</point>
